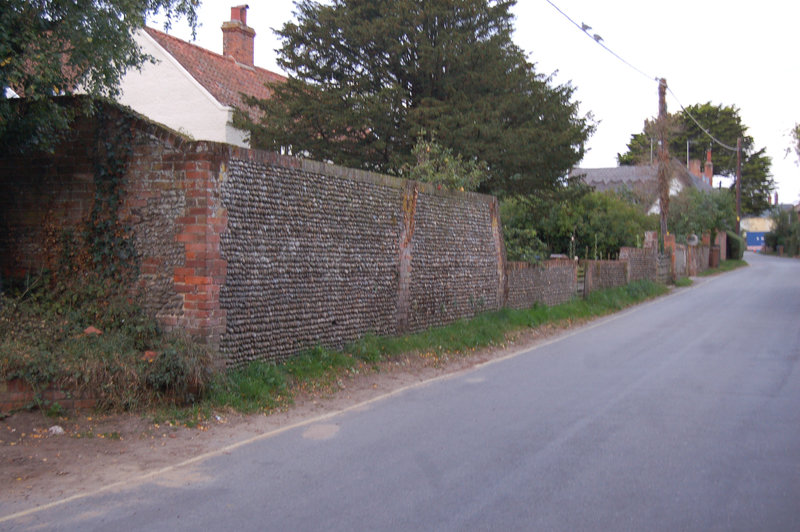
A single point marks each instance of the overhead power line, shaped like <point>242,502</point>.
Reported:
<point>704,130</point>
<point>599,40</point>
<point>584,28</point>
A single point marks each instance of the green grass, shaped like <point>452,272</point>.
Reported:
<point>43,340</point>
<point>724,266</point>
<point>264,386</point>
<point>683,281</point>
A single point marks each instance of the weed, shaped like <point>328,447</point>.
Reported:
<point>43,342</point>
<point>683,281</point>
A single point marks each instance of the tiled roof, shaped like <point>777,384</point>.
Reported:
<point>223,77</point>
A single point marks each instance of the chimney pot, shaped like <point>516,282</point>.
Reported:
<point>238,38</point>
<point>709,169</point>
<point>239,13</point>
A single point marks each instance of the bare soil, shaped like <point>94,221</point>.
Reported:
<point>96,450</point>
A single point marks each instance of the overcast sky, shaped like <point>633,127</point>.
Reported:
<point>724,52</point>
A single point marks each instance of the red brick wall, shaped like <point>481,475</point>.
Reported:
<point>170,205</point>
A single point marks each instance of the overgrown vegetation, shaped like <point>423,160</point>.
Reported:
<point>695,212</point>
<point>582,223</point>
<point>88,336</point>
<point>77,325</point>
<point>736,246</point>
<point>438,165</point>
<point>786,233</point>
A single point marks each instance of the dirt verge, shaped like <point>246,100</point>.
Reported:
<point>40,466</point>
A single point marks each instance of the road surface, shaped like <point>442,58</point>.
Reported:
<point>679,414</point>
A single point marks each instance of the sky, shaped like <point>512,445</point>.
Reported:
<point>728,53</point>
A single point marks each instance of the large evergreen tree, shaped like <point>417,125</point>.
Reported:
<point>368,77</point>
<point>53,47</point>
<point>725,124</point>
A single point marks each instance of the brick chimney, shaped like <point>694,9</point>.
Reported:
<point>694,168</point>
<point>237,37</point>
<point>709,169</point>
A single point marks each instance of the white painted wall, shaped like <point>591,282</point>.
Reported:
<point>166,93</point>
<point>675,187</point>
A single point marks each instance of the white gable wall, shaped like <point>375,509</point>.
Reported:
<point>675,187</point>
<point>166,93</point>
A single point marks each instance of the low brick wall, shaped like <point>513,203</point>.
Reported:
<point>552,282</point>
<point>602,274</point>
<point>17,394</point>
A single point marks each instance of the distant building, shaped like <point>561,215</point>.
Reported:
<point>642,180</point>
<point>193,90</point>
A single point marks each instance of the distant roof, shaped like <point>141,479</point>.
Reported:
<point>634,177</point>
<point>222,76</point>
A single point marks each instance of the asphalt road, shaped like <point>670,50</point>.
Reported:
<point>680,414</point>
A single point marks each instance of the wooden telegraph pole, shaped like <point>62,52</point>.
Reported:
<point>738,184</point>
<point>663,156</point>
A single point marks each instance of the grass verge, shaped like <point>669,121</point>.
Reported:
<point>262,386</point>
<point>724,266</point>
<point>43,340</point>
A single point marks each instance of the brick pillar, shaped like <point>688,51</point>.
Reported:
<point>203,274</point>
<point>409,208</point>
<point>500,252</point>
<point>669,244</point>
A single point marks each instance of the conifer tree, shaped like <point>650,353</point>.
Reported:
<point>367,78</point>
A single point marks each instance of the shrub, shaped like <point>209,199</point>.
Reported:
<point>43,342</point>
<point>786,233</point>
<point>736,246</point>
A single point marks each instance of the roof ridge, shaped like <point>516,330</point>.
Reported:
<point>150,30</point>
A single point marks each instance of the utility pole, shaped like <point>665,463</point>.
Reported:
<point>663,156</point>
<point>738,184</point>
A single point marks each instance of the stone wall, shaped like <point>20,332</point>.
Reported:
<point>320,255</point>
<point>263,255</point>
<point>258,254</point>
<point>552,282</point>
<point>642,263</point>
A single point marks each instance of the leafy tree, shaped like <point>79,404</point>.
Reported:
<point>796,138</point>
<point>440,166</point>
<point>786,232</point>
<point>367,77</point>
<point>589,223</point>
<point>520,234</point>
<point>696,212</point>
<point>726,125</point>
<point>52,47</point>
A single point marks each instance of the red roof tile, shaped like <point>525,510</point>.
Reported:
<point>223,77</point>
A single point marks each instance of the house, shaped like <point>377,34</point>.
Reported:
<point>642,180</point>
<point>193,90</point>
<point>755,228</point>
